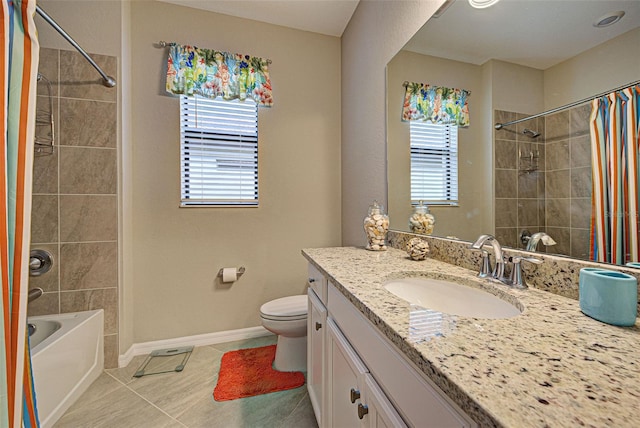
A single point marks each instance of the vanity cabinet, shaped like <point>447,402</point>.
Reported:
<point>358,378</point>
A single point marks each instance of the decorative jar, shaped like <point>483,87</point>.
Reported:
<point>422,221</point>
<point>376,226</point>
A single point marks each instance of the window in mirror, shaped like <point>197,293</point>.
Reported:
<point>434,163</point>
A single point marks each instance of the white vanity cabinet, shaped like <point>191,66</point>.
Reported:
<point>358,378</point>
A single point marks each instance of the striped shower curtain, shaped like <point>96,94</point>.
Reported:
<point>18,80</point>
<point>615,146</point>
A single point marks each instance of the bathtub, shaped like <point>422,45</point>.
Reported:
<point>67,356</point>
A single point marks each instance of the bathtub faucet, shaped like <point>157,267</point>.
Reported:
<point>34,293</point>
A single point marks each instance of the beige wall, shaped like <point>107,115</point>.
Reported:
<point>94,24</point>
<point>376,32</point>
<point>473,216</point>
<point>516,87</point>
<point>178,251</point>
<point>599,69</point>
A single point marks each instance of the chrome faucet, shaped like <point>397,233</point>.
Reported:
<point>533,240</point>
<point>498,270</point>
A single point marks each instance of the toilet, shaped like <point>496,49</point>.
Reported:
<point>287,318</point>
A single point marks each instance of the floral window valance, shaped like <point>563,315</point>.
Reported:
<point>210,73</point>
<point>436,104</point>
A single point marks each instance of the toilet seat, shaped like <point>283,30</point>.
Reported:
<point>289,308</point>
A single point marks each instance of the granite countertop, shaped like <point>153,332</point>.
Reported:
<point>550,366</point>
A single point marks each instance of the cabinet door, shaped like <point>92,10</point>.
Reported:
<point>345,380</point>
<point>315,354</point>
<point>379,412</point>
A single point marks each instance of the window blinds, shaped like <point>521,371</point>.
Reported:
<point>219,152</point>
<point>434,163</point>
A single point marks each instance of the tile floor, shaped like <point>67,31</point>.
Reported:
<point>185,399</point>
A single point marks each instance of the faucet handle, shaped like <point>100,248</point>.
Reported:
<point>485,264</point>
<point>516,280</point>
<point>534,260</point>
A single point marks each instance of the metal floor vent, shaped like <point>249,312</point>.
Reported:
<point>165,361</point>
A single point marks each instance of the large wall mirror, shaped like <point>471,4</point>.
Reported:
<point>517,58</point>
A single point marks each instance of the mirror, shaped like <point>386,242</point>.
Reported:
<point>518,58</point>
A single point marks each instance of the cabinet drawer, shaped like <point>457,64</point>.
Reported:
<point>318,283</point>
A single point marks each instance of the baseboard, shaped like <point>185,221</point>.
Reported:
<point>145,348</point>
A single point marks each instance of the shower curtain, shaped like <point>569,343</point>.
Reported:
<point>615,142</point>
<point>18,80</point>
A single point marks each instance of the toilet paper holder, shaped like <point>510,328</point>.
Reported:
<point>240,271</point>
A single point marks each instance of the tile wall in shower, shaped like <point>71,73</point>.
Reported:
<point>519,178</point>
<point>568,172</point>
<point>544,183</point>
<point>75,193</point>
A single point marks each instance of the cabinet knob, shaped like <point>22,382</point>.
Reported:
<point>355,394</point>
<point>318,326</point>
<point>312,280</point>
<point>362,410</point>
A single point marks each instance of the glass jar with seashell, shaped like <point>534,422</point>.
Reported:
<point>376,226</point>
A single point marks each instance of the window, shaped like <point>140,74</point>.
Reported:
<point>219,152</point>
<point>434,163</point>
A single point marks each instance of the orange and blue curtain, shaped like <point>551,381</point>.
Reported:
<point>436,104</point>
<point>615,147</point>
<point>210,73</point>
<point>18,81</point>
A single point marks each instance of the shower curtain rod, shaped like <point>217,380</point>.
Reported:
<point>107,81</point>
<point>577,103</point>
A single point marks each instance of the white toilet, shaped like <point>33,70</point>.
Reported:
<point>287,317</point>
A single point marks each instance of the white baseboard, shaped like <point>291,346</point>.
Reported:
<point>145,348</point>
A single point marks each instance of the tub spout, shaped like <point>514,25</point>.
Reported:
<point>34,293</point>
<point>539,236</point>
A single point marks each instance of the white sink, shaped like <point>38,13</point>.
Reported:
<point>451,298</point>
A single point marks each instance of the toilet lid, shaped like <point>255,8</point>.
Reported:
<point>285,308</point>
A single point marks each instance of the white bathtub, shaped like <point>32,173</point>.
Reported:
<point>67,356</point>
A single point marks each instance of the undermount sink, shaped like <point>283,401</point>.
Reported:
<point>451,298</point>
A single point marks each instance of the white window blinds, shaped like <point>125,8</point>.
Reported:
<point>434,163</point>
<point>219,152</point>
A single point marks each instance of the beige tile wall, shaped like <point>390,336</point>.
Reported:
<point>554,197</point>
<point>568,180</point>
<point>74,212</point>
<point>519,179</point>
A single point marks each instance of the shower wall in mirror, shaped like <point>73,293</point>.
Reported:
<point>513,63</point>
<point>543,180</point>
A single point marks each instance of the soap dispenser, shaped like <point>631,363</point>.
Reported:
<point>422,221</point>
<point>376,226</point>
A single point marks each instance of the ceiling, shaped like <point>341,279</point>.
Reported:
<point>533,33</point>
<point>328,17</point>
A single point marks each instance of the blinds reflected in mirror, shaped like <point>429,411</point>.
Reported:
<point>434,163</point>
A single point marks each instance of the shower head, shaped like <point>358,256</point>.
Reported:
<point>530,133</point>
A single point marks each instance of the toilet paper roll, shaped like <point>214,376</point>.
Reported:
<point>229,274</point>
